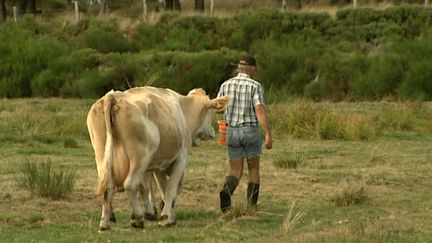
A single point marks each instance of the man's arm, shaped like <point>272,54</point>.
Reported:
<point>261,114</point>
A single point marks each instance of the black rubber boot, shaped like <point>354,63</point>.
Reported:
<point>252,194</point>
<point>231,183</point>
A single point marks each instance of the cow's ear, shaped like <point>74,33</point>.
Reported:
<point>219,103</point>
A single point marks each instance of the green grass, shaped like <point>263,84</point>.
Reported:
<point>393,169</point>
<point>43,180</point>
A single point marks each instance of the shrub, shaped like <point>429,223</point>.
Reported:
<point>107,41</point>
<point>23,57</point>
<point>360,127</point>
<point>348,195</point>
<point>330,126</point>
<point>399,116</point>
<point>381,79</point>
<point>93,83</point>
<point>302,119</point>
<point>288,160</point>
<point>417,83</point>
<point>335,72</point>
<point>42,180</point>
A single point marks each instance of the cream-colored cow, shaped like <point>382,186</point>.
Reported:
<point>140,130</point>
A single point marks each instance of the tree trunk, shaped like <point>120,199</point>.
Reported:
<point>199,5</point>
<point>169,4</point>
<point>2,11</point>
<point>299,4</point>
<point>31,7</point>
<point>22,7</point>
<point>177,5</point>
<point>172,5</point>
<point>103,7</point>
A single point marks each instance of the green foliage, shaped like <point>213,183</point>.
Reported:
<point>362,54</point>
<point>306,120</point>
<point>417,84</point>
<point>335,71</point>
<point>40,179</point>
<point>23,57</point>
<point>106,41</point>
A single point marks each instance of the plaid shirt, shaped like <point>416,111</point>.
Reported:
<point>244,93</point>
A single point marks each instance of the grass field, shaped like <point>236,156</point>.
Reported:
<point>305,182</point>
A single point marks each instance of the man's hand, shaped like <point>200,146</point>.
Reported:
<point>268,141</point>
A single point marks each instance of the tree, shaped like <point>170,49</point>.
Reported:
<point>2,11</point>
<point>22,6</point>
<point>31,7</point>
<point>27,6</point>
<point>173,5</point>
<point>103,7</point>
<point>199,5</point>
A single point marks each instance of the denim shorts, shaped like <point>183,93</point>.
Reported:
<point>243,142</point>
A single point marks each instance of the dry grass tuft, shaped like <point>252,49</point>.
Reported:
<point>42,180</point>
<point>293,217</point>
<point>239,210</point>
<point>288,160</point>
<point>348,195</point>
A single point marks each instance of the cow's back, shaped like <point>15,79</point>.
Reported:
<point>159,109</point>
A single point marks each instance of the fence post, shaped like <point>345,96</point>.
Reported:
<point>283,5</point>
<point>426,3</point>
<point>145,10</point>
<point>211,7</point>
<point>15,13</point>
<point>354,3</point>
<point>77,15</point>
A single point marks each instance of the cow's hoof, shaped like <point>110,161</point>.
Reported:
<point>164,221</point>
<point>135,223</point>
<point>150,217</point>
<point>103,228</point>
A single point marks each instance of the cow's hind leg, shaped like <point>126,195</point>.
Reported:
<point>131,186</point>
<point>146,192</point>
<point>167,214</point>
<point>107,210</point>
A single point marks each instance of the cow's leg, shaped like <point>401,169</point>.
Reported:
<point>112,216</point>
<point>167,214</point>
<point>148,197</point>
<point>131,185</point>
<point>161,182</point>
<point>107,210</point>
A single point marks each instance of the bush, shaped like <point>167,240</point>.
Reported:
<point>417,83</point>
<point>288,160</point>
<point>348,195</point>
<point>23,57</point>
<point>63,71</point>
<point>107,41</point>
<point>42,180</point>
<point>93,83</point>
<point>383,76</point>
<point>335,72</point>
<point>398,117</point>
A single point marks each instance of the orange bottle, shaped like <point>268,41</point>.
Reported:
<point>222,131</point>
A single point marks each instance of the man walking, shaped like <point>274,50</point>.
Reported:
<point>245,112</point>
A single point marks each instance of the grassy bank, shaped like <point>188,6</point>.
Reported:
<point>306,179</point>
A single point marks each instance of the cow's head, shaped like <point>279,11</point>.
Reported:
<point>206,130</point>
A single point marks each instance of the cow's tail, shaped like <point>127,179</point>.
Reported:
<point>105,177</point>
